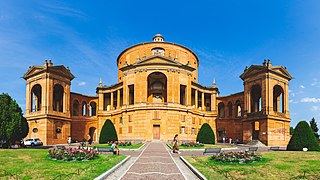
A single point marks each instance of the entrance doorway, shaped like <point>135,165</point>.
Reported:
<point>92,134</point>
<point>156,132</point>
<point>255,130</point>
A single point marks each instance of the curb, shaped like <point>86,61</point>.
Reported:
<point>107,173</point>
<point>194,170</point>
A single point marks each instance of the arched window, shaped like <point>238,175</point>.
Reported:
<point>157,87</point>
<point>256,100</point>
<point>278,99</point>
<point>238,108</point>
<point>75,108</point>
<point>84,108</point>
<point>36,94</point>
<point>230,109</point>
<point>58,98</point>
<point>221,110</point>
<point>93,109</point>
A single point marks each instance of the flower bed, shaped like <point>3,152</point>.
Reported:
<point>70,154</point>
<point>237,157</point>
<point>192,144</point>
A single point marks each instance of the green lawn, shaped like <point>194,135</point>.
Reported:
<point>202,147</point>
<point>275,165</point>
<point>34,164</point>
<point>132,146</point>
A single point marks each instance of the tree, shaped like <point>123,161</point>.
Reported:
<point>108,133</point>
<point>303,137</point>
<point>206,135</point>
<point>13,126</point>
<point>291,130</point>
<point>314,127</point>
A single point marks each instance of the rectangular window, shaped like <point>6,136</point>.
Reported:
<point>183,118</point>
<point>130,129</point>
<point>193,120</point>
<point>120,120</point>
<point>183,94</point>
<point>120,130</point>
<point>192,131</point>
<point>131,94</point>
<point>130,118</point>
<point>182,130</point>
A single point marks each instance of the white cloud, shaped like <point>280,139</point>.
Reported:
<point>315,108</point>
<point>290,101</point>
<point>82,83</point>
<point>302,86</point>
<point>310,100</point>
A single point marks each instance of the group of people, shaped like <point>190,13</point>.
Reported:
<point>114,146</point>
<point>229,140</point>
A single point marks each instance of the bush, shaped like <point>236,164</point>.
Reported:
<point>108,133</point>
<point>206,135</point>
<point>192,144</point>
<point>69,154</point>
<point>237,157</point>
<point>303,137</point>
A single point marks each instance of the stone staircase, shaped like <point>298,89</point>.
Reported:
<point>256,143</point>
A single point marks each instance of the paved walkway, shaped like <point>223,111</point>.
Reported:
<point>155,161</point>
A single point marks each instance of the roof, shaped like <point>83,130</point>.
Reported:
<point>60,70</point>
<point>170,43</point>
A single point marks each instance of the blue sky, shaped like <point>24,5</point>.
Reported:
<point>87,36</point>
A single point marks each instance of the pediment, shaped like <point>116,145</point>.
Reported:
<point>34,70</point>
<point>59,70</point>
<point>277,70</point>
<point>157,60</point>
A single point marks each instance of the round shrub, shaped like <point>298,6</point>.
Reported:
<point>108,133</point>
<point>303,137</point>
<point>206,135</point>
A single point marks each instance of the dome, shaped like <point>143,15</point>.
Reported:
<point>158,38</point>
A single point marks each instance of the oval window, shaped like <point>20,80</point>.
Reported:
<point>35,130</point>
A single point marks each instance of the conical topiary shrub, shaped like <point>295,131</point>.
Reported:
<point>108,133</point>
<point>303,137</point>
<point>206,135</point>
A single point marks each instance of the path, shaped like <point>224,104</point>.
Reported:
<point>154,162</point>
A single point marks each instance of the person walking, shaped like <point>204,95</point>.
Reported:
<point>175,148</point>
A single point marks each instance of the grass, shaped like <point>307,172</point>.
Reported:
<point>132,146</point>
<point>202,147</point>
<point>275,165</point>
<point>34,164</point>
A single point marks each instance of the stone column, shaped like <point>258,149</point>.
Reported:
<point>111,100</point>
<point>100,103</point>
<point>202,101</point>
<point>213,102</point>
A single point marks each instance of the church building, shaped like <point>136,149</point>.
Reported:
<point>157,95</point>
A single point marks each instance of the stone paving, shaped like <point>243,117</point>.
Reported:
<point>154,162</point>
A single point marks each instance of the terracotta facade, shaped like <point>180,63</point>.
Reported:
<point>156,97</point>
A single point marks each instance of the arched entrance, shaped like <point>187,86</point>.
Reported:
<point>92,134</point>
<point>157,87</point>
